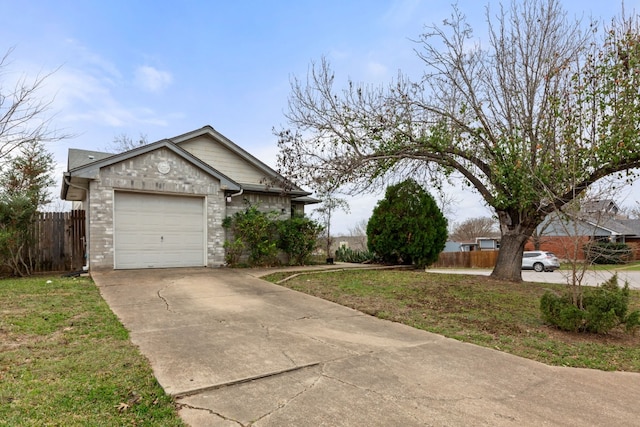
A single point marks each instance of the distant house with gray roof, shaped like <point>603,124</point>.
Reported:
<point>598,220</point>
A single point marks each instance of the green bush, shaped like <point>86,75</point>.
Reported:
<point>344,254</point>
<point>298,238</point>
<point>17,215</point>
<point>407,226</point>
<point>559,311</point>
<point>607,253</point>
<point>255,232</point>
<point>233,251</point>
<point>260,236</point>
<point>602,309</point>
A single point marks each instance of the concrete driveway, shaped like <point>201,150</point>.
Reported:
<point>235,350</point>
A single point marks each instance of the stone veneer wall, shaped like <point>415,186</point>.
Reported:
<point>141,174</point>
<point>264,203</point>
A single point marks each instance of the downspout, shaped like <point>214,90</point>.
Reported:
<point>239,193</point>
<point>70,184</point>
<point>229,200</point>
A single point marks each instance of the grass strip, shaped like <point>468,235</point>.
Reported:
<point>66,360</point>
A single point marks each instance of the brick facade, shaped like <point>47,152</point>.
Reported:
<point>201,163</point>
<point>263,202</point>
<point>141,174</point>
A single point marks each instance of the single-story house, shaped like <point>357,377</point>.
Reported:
<point>451,246</point>
<point>598,220</point>
<point>480,244</point>
<point>162,204</point>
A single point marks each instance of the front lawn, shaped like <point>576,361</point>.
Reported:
<point>475,309</point>
<point>66,360</point>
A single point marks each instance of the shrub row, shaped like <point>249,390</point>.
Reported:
<point>261,237</point>
<point>608,253</point>
<point>598,310</point>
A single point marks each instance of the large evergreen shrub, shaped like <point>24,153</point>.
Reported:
<point>407,226</point>
<point>24,188</point>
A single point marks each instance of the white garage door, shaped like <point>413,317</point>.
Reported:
<point>157,231</point>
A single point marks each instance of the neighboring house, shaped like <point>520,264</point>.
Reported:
<point>598,220</point>
<point>162,204</point>
<point>356,243</point>
<point>451,246</point>
<point>480,244</point>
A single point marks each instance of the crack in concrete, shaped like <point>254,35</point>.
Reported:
<point>279,406</point>
<point>289,357</point>
<point>212,412</point>
<point>266,328</point>
<point>166,303</point>
<point>390,398</point>
<point>283,404</point>
<point>165,300</point>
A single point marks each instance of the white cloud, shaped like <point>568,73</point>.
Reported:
<point>152,79</point>
<point>87,97</point>
<point>86,59</point>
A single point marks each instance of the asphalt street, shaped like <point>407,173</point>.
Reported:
<point>589,278</point>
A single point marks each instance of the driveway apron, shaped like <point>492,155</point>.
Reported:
<point>235,350</point>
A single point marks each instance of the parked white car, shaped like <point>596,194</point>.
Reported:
<point>540,261</point>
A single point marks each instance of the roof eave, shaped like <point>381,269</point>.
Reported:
<point>91,170</point>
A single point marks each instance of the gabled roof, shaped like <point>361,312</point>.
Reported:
<point>84,165</point>
<point>603,207</point>
<point>599,225</point>
<point>239,151</point>
<point>79,158</point>
<point>631,224</point>
<point>81,165</point>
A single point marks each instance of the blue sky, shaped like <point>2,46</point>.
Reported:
<point>162,68</point>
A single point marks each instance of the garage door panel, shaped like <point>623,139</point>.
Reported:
<point>154,231</point>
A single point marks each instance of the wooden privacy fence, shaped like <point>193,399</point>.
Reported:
<point>473,259</point>
<point>59,243</point>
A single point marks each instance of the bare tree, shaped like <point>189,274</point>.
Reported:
<point>359,228</point>
<point>544,95</point>
<point>468,230</point>
<point>572,231</point>
<point>329,205</point>
<point>359,232</point>
<point>23,111</point>
<point>124,142</point>
<point>631,212</point>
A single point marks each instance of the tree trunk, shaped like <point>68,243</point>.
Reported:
<point>514,237</point>
<point>509,263</point>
